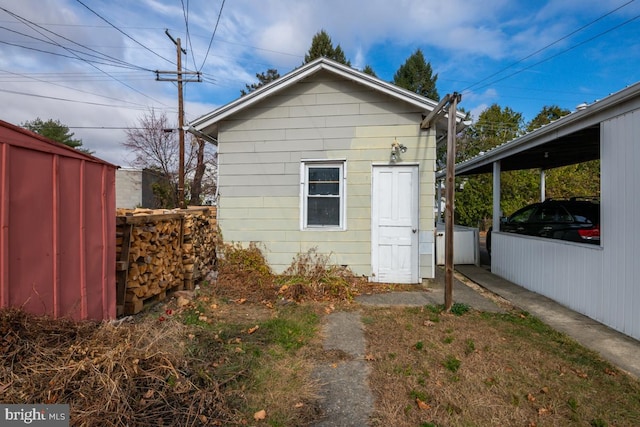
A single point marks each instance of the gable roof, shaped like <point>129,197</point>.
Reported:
<point>208,123</point>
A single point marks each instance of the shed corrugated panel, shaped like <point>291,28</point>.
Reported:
<point>57,211</point>
<point>620,202</point>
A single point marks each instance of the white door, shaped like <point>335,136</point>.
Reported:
<point>394,224</point>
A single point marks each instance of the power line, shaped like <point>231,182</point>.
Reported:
<point>125,34</point>
<point>212,36</point>
<point>63,55</point>
<point>185,13</point>
<point>72,88</point>
<point>466,90</point>
<point>29,24</point>
<point>77,101</point>
<point>102,55</point>
<point>562,52</point>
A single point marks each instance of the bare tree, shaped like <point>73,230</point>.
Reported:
<point>154,142</point>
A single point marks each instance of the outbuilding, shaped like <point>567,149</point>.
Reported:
<point>599,281</point>
<point>332,159</point>
<point>57,228</point>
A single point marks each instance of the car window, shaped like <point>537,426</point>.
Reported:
<point>523,215</point>
<point>587,213</point>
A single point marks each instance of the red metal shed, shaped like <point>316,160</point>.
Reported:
<point>57,228</point>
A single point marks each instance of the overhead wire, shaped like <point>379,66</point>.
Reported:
<point>213,34</point>
<point>63,55</point>
<point>31,25</point>
<point>101,55</point>
<point>467,89</point>
<point>590,39</point>
<point>15,92</point>
<point>185,13</point>
<point>125,34</point>
<point>73,88</point>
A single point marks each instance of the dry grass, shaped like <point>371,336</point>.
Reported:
<point>433,369</point>
<point>244,345</point>
<point>109,374</point>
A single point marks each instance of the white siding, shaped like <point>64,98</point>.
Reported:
<point>324,117</point>
<point>620,207</point>
<point>599,282</point>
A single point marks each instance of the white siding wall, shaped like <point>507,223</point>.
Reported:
<point>620,212</point>
<point>600,282</point>
<point>323,117</point>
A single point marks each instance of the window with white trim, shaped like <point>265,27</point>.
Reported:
<point>323,195</point>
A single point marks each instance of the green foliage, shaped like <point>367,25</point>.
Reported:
<point>498,125</point>
<point>163,195</point>
<point>469,346</point>
<point>548,114</point>
<point>368,70</point>
<point>582,179</point>
<point>460,308</point>
<point>417,76</point>
<point>494,126</point>
<point>54,130</point>
<point>292,329</point>
<point>451,363</point>
<point>264,78</point>
<point>322,46</point>
<point>418,394</point>
<point>419,345</point>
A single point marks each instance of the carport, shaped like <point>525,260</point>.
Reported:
<point>597,281</point>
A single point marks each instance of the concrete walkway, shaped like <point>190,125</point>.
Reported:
<point>348,400</point>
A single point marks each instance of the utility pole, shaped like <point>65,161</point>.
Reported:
<point>179,80</point>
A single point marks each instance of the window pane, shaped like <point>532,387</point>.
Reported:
<point>324,174</point>
<point>323,211</point>
<point>321,188</point>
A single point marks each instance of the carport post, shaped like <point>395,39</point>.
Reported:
<point>543,184</point>
<point>449,206</point>
<point>496,196</point>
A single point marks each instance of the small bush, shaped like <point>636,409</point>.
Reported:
<point>460,308</point>
<point>312,276</point>
<point>244,273</point>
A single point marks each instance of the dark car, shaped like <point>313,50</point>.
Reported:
<point>576,220</point>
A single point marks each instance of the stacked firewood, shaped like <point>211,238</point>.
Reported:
<point>162,251</point>
<point>199,245</point>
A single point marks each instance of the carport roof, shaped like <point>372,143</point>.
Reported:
<point>571,139</point>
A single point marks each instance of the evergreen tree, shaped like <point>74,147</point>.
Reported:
<point>264,78</point>
<point>417,76</point>
<point>322,46</point>
<point>56,131</point>
<point>368,70</point>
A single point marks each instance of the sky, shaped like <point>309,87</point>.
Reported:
<point>91,64</point>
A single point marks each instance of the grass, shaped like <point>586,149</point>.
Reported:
<point>488,369</point>
<point>239,348</point>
